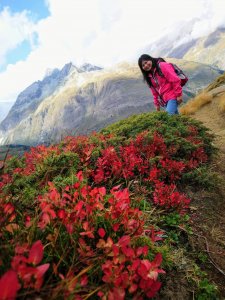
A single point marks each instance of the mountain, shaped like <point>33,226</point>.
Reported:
<point>80,100</point>
<point>181,43</point>
<point>4,109</point>
<point>29,100</point>
<point>89,68</point>
<point>209,49</point>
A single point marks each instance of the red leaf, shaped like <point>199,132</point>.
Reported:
<point>86,225</point>
<point>133,288</point>
<point>27,221</point>
<point>129,252</point>
<point>145,250</point>
<point>100,294</point>
<point>87,233</point>
<point>101,232</point>
<point>155,287</point>
<point>116,250</point>
<point>101,244</point>
<point>80,176</point>
<point>79,206</point>
<point>116,227</point>
<point>9,286</point>
<point>84,280</point>
<point>8,208</point>
<point>109,242</point>
<point>124,241</point>
<point>54,195</point>
<point>46,218</point>
<point>69,228</point>
<point>36,253</point>
<point>139,251</point>
<point>42,269</point>
<point>157,260</point>
<point>102,191</point>
<point>61,214</point>
<point>117,293</point>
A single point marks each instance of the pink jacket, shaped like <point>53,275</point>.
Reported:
<point>167,86</point>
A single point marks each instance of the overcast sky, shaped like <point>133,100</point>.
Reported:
<point>39,34</point>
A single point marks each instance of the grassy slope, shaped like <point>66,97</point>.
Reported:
<point>182,262</point>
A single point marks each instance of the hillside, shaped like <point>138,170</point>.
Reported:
<point>110,215</point>
<point>209,108</point>
<point>209,49</point>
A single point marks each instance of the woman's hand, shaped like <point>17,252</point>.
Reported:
<point>179,100</point>
<point>158,108</point>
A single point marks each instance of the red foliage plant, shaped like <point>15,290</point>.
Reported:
<point>97,219</point>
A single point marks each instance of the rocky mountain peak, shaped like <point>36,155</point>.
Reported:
<point>89,68</point>
<point>50,72</point>
<point>67,69</point>
<point>29,99</point>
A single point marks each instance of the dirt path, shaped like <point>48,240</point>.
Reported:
<point>217,91</point>
<point>215,121</point>
<point>209,225</point>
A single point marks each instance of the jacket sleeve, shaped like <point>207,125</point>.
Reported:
<point>171,76</point>
<point>155,97</point>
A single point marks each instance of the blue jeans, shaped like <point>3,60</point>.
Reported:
<point>172,107</point>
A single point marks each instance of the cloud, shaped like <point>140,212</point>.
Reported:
<point>14,29</point>
<point>102,32</point>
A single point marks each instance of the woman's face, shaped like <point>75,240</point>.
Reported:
<point>146,65</point>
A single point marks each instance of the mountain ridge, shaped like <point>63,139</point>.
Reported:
<point>73,101</point>
<point>33,95</point>
<point>207,49</point>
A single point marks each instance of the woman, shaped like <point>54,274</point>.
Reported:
<point>163,82</point>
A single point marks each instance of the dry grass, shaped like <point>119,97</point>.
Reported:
<point>221,103</point>
<point>218,235</point>
<point>196,103</point>
<point>216,83</point>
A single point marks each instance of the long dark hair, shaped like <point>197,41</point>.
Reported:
<point>154,65</point>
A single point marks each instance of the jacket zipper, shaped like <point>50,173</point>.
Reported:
<point>158,90</point>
